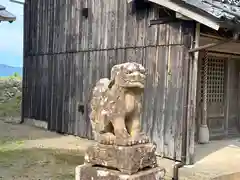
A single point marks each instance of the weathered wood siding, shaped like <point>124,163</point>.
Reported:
<point>66,53</point>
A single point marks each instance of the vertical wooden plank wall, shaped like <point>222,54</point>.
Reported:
<point>66,53</point>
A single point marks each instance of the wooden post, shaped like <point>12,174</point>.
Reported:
<point>205,82</point>
<point>203,129</point>
<point>192,100</point>
<point>238,115</point>
<point>228,92</point>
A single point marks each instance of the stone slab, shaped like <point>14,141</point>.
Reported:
<point>88,172</point>
<point>127,159</point>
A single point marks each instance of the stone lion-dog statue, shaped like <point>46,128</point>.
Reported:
<point>115,106</point>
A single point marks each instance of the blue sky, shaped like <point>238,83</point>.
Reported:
<point>11,36</point>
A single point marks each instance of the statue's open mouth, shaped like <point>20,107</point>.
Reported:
<point>134,80</point>
<point>135,84</point>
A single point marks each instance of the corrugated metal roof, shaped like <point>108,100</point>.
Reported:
<point>5,15</point>
<point>220,9</point>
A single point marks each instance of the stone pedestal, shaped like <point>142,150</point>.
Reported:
<point>88,172</point>
<point>107,162</point>
<point>126,159</point>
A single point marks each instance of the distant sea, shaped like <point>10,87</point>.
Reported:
<point>6,70</point>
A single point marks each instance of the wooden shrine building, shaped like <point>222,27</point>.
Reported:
<point>189,47</point>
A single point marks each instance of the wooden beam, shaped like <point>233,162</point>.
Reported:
<point>234,38</point>
<point>186,12</point>
<point>163,21</point>
<point>224,55</point>
<point>209,46</point>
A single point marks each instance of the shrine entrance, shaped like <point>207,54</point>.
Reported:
<point>219,93</point>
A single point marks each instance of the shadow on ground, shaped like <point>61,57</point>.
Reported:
<point>39,164</point>
<point>18,132</point>
<point>233,176</point>
<point>204,151</point>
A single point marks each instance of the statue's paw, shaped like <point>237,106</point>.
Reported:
<point>131,141</point>
<point>126,142</point>
<point>107,138</point>
<point>140,138</point>
<point>145,138</point>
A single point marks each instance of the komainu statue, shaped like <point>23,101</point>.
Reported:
<point>123,152</point>
<point>116,106</point>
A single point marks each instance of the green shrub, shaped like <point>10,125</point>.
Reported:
<point>10,95</point>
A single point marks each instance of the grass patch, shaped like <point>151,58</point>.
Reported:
<point>10,108</point>
<point>39,163</point>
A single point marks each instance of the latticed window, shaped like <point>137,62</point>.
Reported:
<point>212,71</point>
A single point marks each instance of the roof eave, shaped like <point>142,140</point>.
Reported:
<point>7,19</point>
<point>5,15</point>
<point>207,21</point>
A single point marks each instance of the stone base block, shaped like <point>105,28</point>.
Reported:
<point>127,159</point>
<point>88,172</point>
